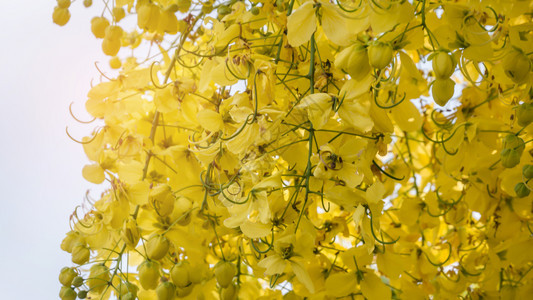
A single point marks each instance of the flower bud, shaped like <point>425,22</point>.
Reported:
<point>110,47</point>
<point>354,61</point>
<point>129,296</point>
<point>168,22</point>
<point>66,276</point>
<point>510,158</point>
<point>207,7</point>
<point>524,114</point>
<point>442,90</point>
<point>521,190</point>
<point>184,5</point>
<point>60,16</point>
<point>80,254</point>
<point>127,288</point>
<point>379,55</point>
<point>516,65</point>
<point>82,294</point>
<point>223,10</point>
<point>67,293</point>
<point>162,200</point>
<point>149,274</point>
<point>70,241</point>
<point>118,13</point>
<point>443,65</point>
<point>114,33</point>
<point>98,278</point>
<point>180,274</point>
<point>63,3</point>
<point>77,281</point>
<point>224,273</point>
<point>166,291</point>
<point>511,141</point>
<point>87,3</point>
<point>157,247</point>
<point>115,63</point>
<point>148,16</point>
<point>99,26</point>
<point>527,171</point>
<point>254,10</point>
<point>130,233</point>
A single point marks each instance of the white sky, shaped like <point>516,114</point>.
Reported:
<point>43,67</point>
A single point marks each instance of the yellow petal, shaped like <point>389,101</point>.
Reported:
<point>255,230</point>
<point>356,114</point>
<point>318,108</point>
<point>138,193</point>
<point>273,264</point>
<point>354,88</point>
<point>164,101</point>
<point>334,25</point>
<point>303,276</point>
<point>375,192</point>
<point>301,24</point>
<point>130,172</point>
<point>374,289</point>
<point>93,173</point>
<point>382,20</point>
<point>407,116</point>
<point>210,120</point>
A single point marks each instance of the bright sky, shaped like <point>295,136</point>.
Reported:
<point>43,67</point>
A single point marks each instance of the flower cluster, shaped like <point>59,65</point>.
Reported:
<point>307,150</point>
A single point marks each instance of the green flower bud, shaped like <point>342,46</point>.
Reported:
<point>67,293</point>
<point>130,233</point>
<point>166,291</point>
<point>63,3</point>
<point>77,281</point>
<point>527,171</point>
<point>129,296</point>
<point>443,65</point>
<point>354,61</point>
<point>82,294</point>
<point>71,240</point>
<point>127,288</point>
<point>184,5</point>
<point>162,200</point>
<point>442,90</point>
<point>510,141</point>
<point>80,254</point>
<point>224,273</point>
<point>157,247</point>
<point>180,274</point>
<point>524,114</point>
<point>207,8</point>
<point>510,158</point>
<point>521,190</point>
<point>223,10</point>
<point>66,276</point>
<point>149,274</point>
<point>379,55</point>
<point>255,10</point>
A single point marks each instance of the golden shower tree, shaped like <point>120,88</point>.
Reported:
<point>308,149</point>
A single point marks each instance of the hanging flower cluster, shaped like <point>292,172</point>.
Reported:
<point>295,149</point>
